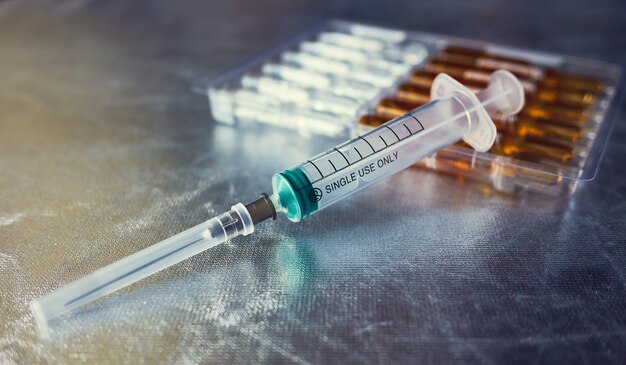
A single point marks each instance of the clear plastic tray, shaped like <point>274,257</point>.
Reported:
<point>327,93</point>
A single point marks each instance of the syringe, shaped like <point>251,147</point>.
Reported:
<point>455,113</point>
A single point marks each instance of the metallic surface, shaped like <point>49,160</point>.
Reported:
<point>104,151</point>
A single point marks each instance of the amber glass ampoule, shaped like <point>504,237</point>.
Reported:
<point>568,116</point>
<point>425,80</point>
<point>457,71</point>
<point>492,64</point>
<point>482,52</point>
<point>516,146</point>
<point>471,74</point>
<point>542,93</point>
<point>576,117</point>
<point>391,108</point>
<point>483,59</point>
<point>413,94</point>
<point>525,126</point>
<point>370,120</point>
<point>567,98</point>
<point>559,80</point>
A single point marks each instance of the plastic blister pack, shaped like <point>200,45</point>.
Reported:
<point>317,83</point>
<point>343,78</point>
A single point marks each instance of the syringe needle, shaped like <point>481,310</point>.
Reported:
<point>143,264</point>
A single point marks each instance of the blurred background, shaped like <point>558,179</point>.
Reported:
<point>105,150</point>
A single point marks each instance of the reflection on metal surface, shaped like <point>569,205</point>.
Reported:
<point>295,261</point>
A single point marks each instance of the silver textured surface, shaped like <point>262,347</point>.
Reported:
<point>104,151</point>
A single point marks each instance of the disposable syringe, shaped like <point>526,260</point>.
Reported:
<point>454,114</point>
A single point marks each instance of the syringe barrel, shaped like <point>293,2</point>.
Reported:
<point>357,163</point>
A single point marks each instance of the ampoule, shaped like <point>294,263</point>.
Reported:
<point>413,94</point>
<point>525,126</point>
<point>354,56</point>
<point>352,41</point>
<point>453,48</point>
<point>305,122</point>
<point>391,108</point>
<point>530,87</point>
<point>471,74</point>
<point>408,53</point>
<point>555,79</point>
<point>545,76</point>
<point>510,145</point>
<point>315,100</point>
<point>557,114</point>
<point>387,35</point>
<point>542,92</point>
<point>340,69</point>
<point>487,63</point>
<point>311,79</point>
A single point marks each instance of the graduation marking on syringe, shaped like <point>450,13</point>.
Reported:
<point>361,158</point>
